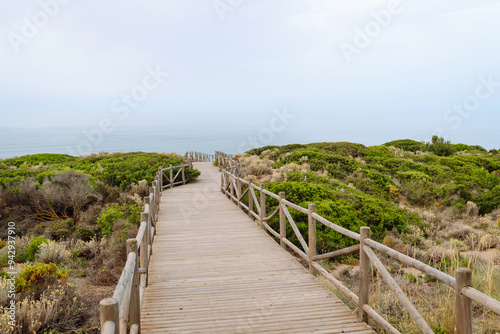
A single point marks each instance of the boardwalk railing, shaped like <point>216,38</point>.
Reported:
<point>235,188</point>
<point>173,173</point>
<point>199,157</point>
<point>121,314</point>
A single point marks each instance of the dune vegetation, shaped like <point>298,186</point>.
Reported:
<point>437,202</point>
<point>72,217</point>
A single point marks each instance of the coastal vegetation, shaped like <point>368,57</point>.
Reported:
<point>72,217</point>
<point>437,202</point>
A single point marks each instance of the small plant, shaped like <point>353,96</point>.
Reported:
<point>38,277</point>
<point>52,252</point>
<point>34,246</point>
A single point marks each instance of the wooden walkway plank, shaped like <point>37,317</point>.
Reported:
<point>214,270</point>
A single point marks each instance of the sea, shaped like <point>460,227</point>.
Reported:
<point>180,137</point>
<point>16,142</point>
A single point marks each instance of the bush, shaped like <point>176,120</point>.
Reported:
<point>129,214</point>
<point>407,145</point>
<point>52,252</point>
<point>38,277</point>
<point>488,201</point>
<point>34,246</point>
<point>56,310</point>
<point>441,147</point>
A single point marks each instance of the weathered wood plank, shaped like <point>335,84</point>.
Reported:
<point>214,270</point>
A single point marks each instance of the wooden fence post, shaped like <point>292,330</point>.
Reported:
<point>282,220</point>
<point>171,177</point>
<point>364,275</point>
<point>262,205</point>
<point>238,193</point>
<point>160,178</point>
<point>145,245</point>
<point>232,186</point>
<point>152,206</point>
<point>250,199</point>
<point>463,305</point>
<point>312,238</point>
<point>110,312</point>
<point>183,174</point>
<point>135,301</point>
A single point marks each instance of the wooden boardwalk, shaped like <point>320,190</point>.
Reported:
<point>213,270</point>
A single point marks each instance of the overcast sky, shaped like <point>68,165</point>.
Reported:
<point>376,70</point>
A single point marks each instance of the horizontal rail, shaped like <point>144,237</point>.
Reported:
<point>342,288</point>
<point>340,252</point>
<point>140,234</point>
<point>273,195</point>
<point>230,177</point>
<point>428,270</point>
<point>295,206</point>
<point>295,248</point>
<point>379,320</point>
<point>125,277</point>
<point>482,299</point>
<point>341,230</point>
<point>273,232</point>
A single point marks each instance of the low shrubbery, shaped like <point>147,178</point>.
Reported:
<point>78,213</point>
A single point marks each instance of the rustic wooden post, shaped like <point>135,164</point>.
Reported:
<point>238,182</point>
<point>282,220</point>
<point>463,305</point>
<point>226,174</point>
<point>183,175</point>
<point>160,179</point>
<point>364,275</point>
<point>250,199</point>
<point>152,206</point>
<point>171,177</point>
<point>135,301</point>
<point>312,238</point>
<point>110,312</point>
<point>232,186</point>
<point>145,244</point>
<point>262,205</point>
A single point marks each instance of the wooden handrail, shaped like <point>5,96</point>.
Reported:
<point>181,171</point>
<point>122,313</point>
<point>231,182</point>
<point>199,157</point>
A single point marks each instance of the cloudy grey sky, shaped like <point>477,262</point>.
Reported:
<point>366,71</point>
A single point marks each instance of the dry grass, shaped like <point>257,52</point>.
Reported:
<point>52,252</point>
<point>57,307</point>
<point>434,300</point>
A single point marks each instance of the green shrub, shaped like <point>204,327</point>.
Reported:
<point>37,277</point>
<point>35,245</point>
<point>441,147</point>
<point>488,201</point>
<point>407,145</point>
<point>129,214</point>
